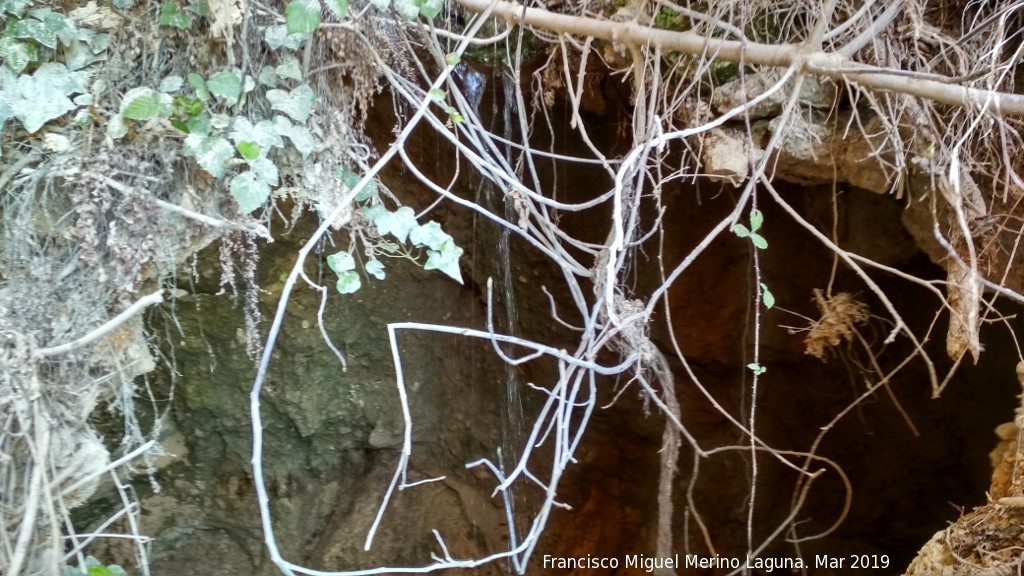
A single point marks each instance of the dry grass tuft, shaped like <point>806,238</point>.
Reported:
<point>840,314</point>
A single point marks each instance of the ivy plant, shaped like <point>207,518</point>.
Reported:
<point>216,142</point>
<point>172,15</point>
<point>34,88</point>
<point>93,567</point>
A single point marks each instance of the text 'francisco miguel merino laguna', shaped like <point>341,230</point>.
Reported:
<point>652,563</point>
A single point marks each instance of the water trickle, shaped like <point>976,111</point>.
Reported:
<point>498,266</point>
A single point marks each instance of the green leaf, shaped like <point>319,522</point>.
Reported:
<point>297,103</point>
<point>32,29</point>
<point>194,107</point>
<point>446,260</point>
<point>757,368</point>
<point>199,125</point>
<point>35,100</point>
<point>180,126</point>
<point>265,169</point>
<point>17,54</point>
<point>278,37</point>
<point>381,5</point>
<point>263,133</point>
<point>171,84</point>
<point>429,235</point>
<point>212,153</point>
<point>452,59</point>
<point>116,570</point>
<point>249,150</point>
<point>756,219</point>
<point>199,8</point>
<point>758,241</point>
<point>337,7</point>
<point>97,42</point>
<point>407,9</point>
<point>171,15</point>
<point>438,95</point>
<point>225,85</point>
<point>399,223</point>
<point>767,297</point>
<point>351,180</point>
<point>60,25</point>
<point>99,571</point>
<point>249,191</point>
<point>431,8</point>
<point>349,282</point>
<point>142,108</point>
<point>289,68</point>
<point>15,7</point>
<point>197,84</point>
<point>302,16</point>
<point>341,262</point>
<point>268,76</point>
<point>376,269</point>
<point>300,137</point>
<point>116,128</point>
<point>740,230</point>
<point>220,121</point>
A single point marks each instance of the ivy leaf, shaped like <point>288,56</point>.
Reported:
<point>32,29</point>
<point>431,8</point>
<point>264,133</point>
<point>35,100</point>
<point>341,262</point>
<point>398,223</point>
<point>15,7</point>
<point>249,150</point>
<point>212,153</point>
<point>249,191</point>
<point>337,7</point>
<point>756,219</point>
<point>758,241</point>
<point>407,9</point>
<point>351,180</point>
<point>17,54</point>
<point>199,8</point>
<point>767,297</point>
<point>302,16</point>
<point>376,269</point>
<point>297,103</point>
<point>429,235</point>
<point>268,76</point>
<point>349,282</point>
<point>225,85</point>
<point>278,37</point>
<point>299,135</point>
<point>265,169</point>
<point>142,108</point>
<point>171,15</point>
<point>289,68</point>
<point>446,260</point>
<point>197,84</point>
<point>740,230</point>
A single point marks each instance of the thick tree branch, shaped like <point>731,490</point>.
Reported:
<point>832,65</point>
